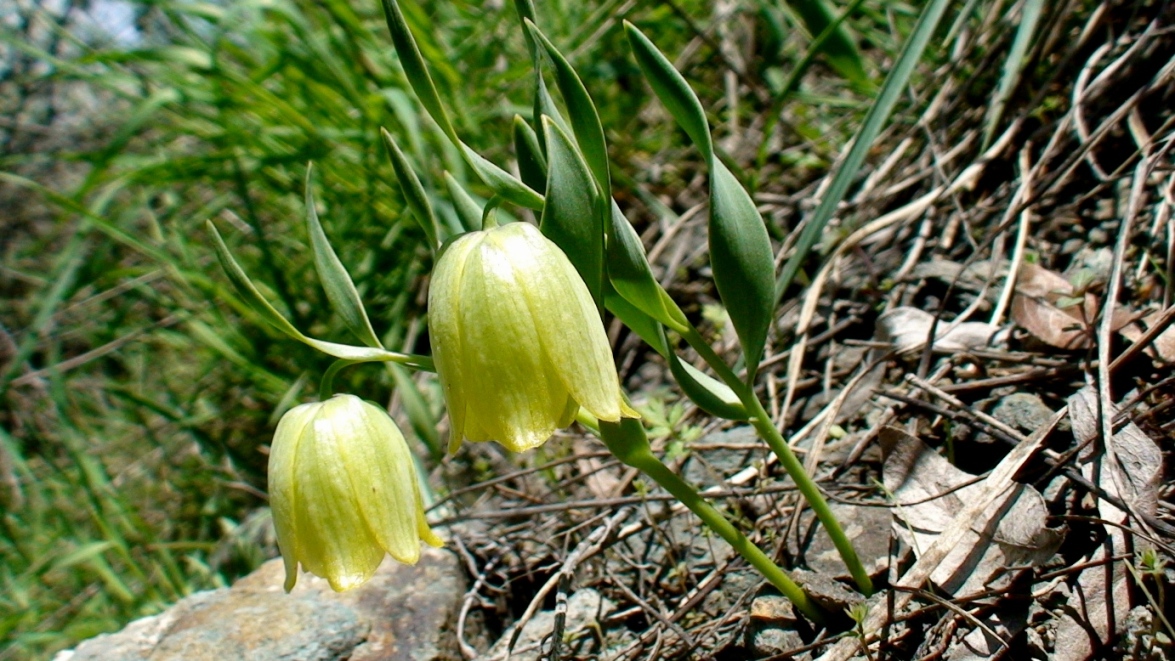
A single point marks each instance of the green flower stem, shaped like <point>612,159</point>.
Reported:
<point>326,387</point>
<point>762,423</point>
<point>627,441</point>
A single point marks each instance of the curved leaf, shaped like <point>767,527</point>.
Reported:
<point>742,261</point>
<point>638,322</point>
<point>629,272</point>
<point>413,63</point>
<point>501,182</point>
<point>340,289</point>
<point>257,302</point>
<point>710,394</point>
<point>672,89</point>
<point>585,121</point>
<point>468,209</point>
<point>571,217</point>
<point>413,191</point>
<point>532,165</point>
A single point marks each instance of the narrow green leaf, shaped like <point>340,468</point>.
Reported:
<point>526,13</point>
<point>710,394</point>
<point>531,163</point>
<point>571,217</point>
<point>1029,17</point>
<point>501,182</point>
<point>631,276</point>
<point>638,322</point>
<point>257,302</point>
<point>545,105</point>
<point>674,92</point>
<point>742,261</point>
<point>413,191</point>
<point>468,210</point>
<point>585,120</point>
<point>839,47</point>
<point>875,120</point>
<point>247,289</point>
<point>340,289</point>
<point>414,67</point>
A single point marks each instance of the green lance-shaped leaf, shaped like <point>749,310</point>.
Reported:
<point>742,261</point>
<point>630,275</point>
<point>532,165</point>
<point>638,322</point>
<point>585,121</point>
<point>1029,17</point>
<point>545,105</point>
<point>340,289</point>
<point>413,191</point>
<point>526,13</point>
<point>571,216</point>
<point>468,209</point>
<point>672,89</point>
<point>414,68</point>
<point>840,50</point>
<point>875,119</point>
<point>710,394</point>
<point>501,182</point>
<point>740,250</point>
<point>258,304</point>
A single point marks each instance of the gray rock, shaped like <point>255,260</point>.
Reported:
<point>1024,411</point>
<point>403,613</point>
<point>772,627</point>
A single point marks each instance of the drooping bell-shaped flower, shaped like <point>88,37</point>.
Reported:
<point>517,340</point>
<point>343,491</point>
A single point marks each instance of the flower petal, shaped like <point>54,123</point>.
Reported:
<point>512,395</point>
<point>444,328</point>
<point>334,540</point>
<point>569,326</point>
<point>282,492</point>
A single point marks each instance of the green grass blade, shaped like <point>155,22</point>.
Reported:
<point>340,289</point>
<point>875,120</point>
<point>1013,66</point>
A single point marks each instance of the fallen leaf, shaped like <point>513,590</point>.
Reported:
<point>929,492</point>
<point>908,328</point>
<point>1100,602</point>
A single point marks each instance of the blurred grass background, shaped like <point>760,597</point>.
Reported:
<point>137,396</point>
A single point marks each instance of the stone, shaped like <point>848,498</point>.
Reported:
<point>402,614</point>
<point>585,607</point>
<point>868,529</point>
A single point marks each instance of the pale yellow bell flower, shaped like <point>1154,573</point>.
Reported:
<point>517,340</point>
<point>343,492</point>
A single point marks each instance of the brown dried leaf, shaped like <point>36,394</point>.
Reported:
<point>1045,306</point>
<point>907,328</point>
<point>1099,605</point>
<point>930,492</point>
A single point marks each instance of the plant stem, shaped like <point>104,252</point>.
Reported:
<point>627,441</point>
<point>767,431</point>
<point>326,387</point>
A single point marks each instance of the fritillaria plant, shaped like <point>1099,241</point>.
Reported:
<point>515,322</point>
